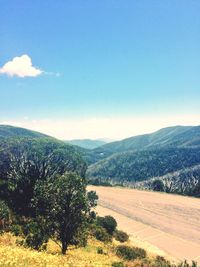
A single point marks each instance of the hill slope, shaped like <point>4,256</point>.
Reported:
<point>11,131</point>
<point>143,165</point>
<point>167,152</point>
<point>86,143</point>
<point>181,136</point>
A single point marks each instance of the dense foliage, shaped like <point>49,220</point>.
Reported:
<point>130,253</point>
<point>108,223</point>
<point>43,185</point>
<point>185,181</point>
<point>143,165</point>
<point>25,161</point>
<point>65,206</point>
<point>121,236</point>
<point>177,136</point>
<point>169,151</point>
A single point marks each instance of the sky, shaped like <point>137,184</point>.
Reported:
<point>99,69</point>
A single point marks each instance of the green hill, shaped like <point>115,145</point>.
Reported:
<point>11,131</point>
<point>142,165</point>
<point>181,136</point>
<point>142,158</point>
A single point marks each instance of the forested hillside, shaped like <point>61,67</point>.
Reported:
<point>185,181</point>
<point>169,150</point>
<point>11,131</point>
<point>181,136</point>
<point>143,165</point>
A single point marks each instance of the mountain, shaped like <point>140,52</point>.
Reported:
<point>86,143</point>
<point>141,165</point>
<point>168,152</point>
<point>175,136</point>
<point>11,131</point>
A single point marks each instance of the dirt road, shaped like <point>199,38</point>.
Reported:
<point>164,223</point>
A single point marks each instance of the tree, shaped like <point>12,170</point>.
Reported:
<point>158,185</point>
<point>65,205</point>
<point>24,161</point>
<point>4,216</point>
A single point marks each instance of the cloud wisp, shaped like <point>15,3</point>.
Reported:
<point>21,67</point>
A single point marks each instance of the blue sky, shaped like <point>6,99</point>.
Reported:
<point>132,64</point>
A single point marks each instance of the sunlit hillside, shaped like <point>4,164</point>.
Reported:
<point>15,255</point>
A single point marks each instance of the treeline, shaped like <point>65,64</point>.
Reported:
<point>185,181</point>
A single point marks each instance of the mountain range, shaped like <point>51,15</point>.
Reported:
<point>170,155</point>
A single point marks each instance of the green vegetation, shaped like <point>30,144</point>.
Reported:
<point>43,184</point>
<point>149,156</point>
<point>7,131</point>
<point>121,236</point>
<point>108,223</point>
<point>130,253</point>
<point>143,165</point>
<point>117,264</point>
<point>43,197</point>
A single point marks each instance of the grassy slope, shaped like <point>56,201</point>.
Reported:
<point>17,256</point>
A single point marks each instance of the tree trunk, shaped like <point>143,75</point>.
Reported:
<point>64,248</point>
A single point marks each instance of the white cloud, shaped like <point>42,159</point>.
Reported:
<point>21,67</point>
<point>95,128</point>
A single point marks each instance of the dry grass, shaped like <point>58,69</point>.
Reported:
<point>17,256</point>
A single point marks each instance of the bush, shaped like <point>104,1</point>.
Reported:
<point>35,235</point>
<point>158,185</point>
<point>117,264</point>
<point>130,253</point>
<point>101,235</point>
<point>121,236</point>
<point>4,216</point>
<point>16,229</point>
<point>99,250</point>
<point>161,262</point>
<point>107,222</point>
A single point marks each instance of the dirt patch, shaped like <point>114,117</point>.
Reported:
<point>162,223</point>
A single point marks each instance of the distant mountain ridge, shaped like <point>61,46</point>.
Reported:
<point>170,136</point>
<point>86,143</point>
<point>12,131</point>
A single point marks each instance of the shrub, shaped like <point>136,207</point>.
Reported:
<point>117,264</point>
<point>121,236</point>
<point>161,262</point>
<point>101,234</point>
<point>107,222</point>
<point>4,216</point>
<point>130,253</point>
<point>16,229</point>
<point>35,235</point>
<point>158,185</point>
<point>99,250</point>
